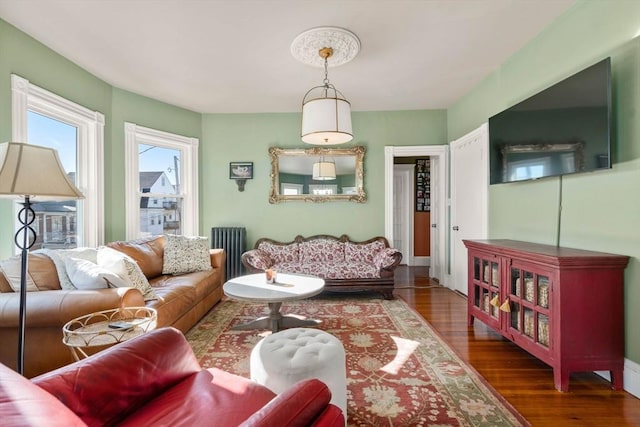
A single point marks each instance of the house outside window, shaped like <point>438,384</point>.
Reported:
<point>44,118</point>
<point>162,177</point>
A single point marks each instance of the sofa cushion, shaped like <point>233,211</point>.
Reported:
<point>224,399</point>
<point>41,269</point>
<point>362,252</point>
<point>59,255</point>
<point>178,294</point>
<point>148,252</point>
<point>185,254</point>
<point>127,269</point>
<point>12,270</point>
<point>281,253</point>
<point>340,270</point>
<point>288,267</point>
<point>321,250</point>
<point>88,275</point>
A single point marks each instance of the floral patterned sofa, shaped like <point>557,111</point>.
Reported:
<point>345,265</point>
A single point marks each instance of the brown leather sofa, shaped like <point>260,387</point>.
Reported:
<point>183,300</point>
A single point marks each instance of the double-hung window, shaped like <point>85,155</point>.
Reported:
<point>162,182</point>
<point>43,118</point>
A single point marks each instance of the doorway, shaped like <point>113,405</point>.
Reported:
<point>438,155</point>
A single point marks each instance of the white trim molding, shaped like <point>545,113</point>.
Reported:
<point>188,147</point>
<point>27,97</point>
<point>630,377</point>
<point>442,153</point>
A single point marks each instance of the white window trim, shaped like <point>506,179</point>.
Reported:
<point>90,124</point>
<point>286,186</point>
<point>134,135</point>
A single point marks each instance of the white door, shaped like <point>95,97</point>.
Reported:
<point>469,189</point>
<point>402,209</point>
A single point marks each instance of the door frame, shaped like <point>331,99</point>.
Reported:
<point>439,152</point>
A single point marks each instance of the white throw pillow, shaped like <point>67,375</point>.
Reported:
<point>127,269</point>
<point>58,257</point>
<point>88,275</point>
<point>11,268</point>
<point>184,254</point>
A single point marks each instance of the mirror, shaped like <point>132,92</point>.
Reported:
<point>317,174</point>
<point>530,161</point>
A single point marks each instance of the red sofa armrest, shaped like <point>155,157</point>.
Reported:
<point>304,404</point>
<point>109,385</point>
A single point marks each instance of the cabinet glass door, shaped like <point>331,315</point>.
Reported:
<point>529,305</point>
<point>486,288</point>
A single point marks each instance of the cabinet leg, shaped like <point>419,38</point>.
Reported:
<point>561,379</point>
<point>617,382</point>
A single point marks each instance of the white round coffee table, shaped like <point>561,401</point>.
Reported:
<point>288,287</point>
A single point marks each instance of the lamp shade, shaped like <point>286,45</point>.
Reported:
<point>326,121</point>
<point>32,170</point>
<point>324,170</point>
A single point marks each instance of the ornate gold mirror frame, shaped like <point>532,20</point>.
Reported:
<point>292,174</point>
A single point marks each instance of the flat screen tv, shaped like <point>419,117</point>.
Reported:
<point>564,129</point>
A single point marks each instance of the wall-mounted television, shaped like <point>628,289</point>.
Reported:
<point>564,129</point>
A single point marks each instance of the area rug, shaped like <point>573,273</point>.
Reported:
<point>400,372</point>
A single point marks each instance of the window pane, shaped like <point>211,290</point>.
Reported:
<point>159,174</point>
<point>56,221</point>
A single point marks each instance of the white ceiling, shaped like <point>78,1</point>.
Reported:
<point>232,56</point>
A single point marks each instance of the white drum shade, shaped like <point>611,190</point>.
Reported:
<point>324,171</point>
<point>326,121</point>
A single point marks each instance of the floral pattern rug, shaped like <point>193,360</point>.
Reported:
<point>400,372</point>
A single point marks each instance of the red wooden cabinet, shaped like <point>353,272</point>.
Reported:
<point>564,306</point>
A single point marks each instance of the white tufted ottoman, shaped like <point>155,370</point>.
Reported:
<point>284,358</point>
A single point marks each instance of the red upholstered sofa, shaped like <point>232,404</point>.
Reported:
<point>344,264</point>
<point>154,380</point>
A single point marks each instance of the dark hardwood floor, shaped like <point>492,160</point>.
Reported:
<point>524,381</point>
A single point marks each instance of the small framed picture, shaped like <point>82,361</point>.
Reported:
<point>241,170</point>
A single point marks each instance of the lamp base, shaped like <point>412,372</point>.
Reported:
<point>25,238</point>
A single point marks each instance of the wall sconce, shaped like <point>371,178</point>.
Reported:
<point>241,172</point>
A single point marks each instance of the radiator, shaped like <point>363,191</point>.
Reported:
<point>234,241</point>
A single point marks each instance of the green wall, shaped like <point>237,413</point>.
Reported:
<point>129,107</point>
<point>22,55</point>
<point>247,137</point>
<point>600,210</point>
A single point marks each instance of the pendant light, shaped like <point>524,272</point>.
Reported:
<point>326,114</point>
<point>324,170</point>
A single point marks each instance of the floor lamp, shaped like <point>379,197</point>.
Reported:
<point>27,171</point>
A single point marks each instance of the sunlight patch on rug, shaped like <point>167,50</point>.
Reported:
<point>400,372</point>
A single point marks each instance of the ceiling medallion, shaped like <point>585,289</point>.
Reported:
<point>344,43</point>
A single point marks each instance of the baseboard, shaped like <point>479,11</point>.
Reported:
<point>631,377</point>
<point>421,261</point>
